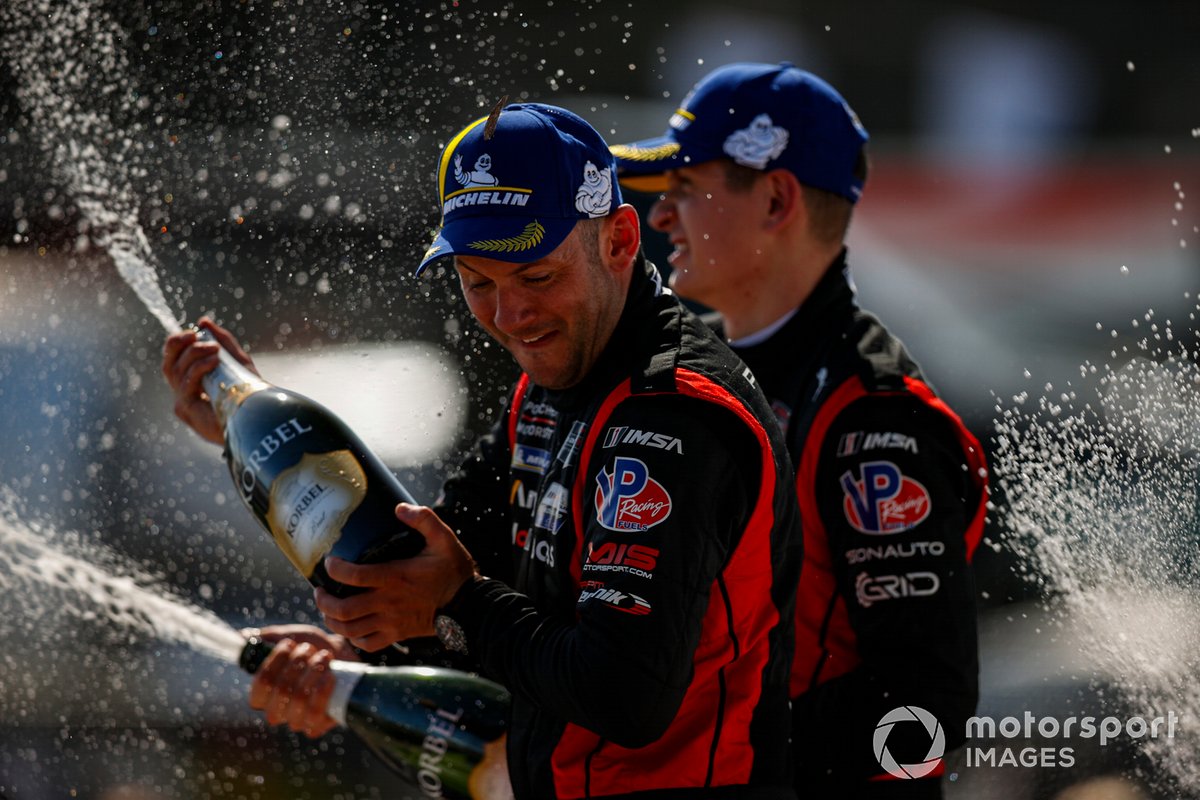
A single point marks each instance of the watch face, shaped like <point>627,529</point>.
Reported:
<point>450,633</point>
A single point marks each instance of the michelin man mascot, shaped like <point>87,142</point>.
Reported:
<point>594,197</point>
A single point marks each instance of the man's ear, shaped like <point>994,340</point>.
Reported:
<point>621,238</point>
<point>785,200</point>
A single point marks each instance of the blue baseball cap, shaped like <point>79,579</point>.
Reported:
<point>764,116</point>
<point>513,188</point>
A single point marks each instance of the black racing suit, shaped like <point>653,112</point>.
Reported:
<point>892,490</point>
<point>641,545</point>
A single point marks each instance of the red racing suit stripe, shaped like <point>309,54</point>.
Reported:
<point>514,410</point>
<point>828,649</point>
<point>973,451</point>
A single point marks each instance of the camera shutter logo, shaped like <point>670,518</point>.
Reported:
<point>937,744</point>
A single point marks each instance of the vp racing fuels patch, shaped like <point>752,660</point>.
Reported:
<point>628,499</point>
<point>881,500</point>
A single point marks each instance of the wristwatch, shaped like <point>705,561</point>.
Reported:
<point>450,633</point>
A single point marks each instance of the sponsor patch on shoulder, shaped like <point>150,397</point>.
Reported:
<point>852,443</point>
<point>881,500</point>
<point>628,499</point>
<point>624,435</point>
<point>552,508</point>
<point>534,459</point>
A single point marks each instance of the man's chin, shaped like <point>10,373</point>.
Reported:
<point>684,285</point>
<point>543,375</point>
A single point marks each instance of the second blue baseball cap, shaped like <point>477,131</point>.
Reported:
<point>764,116</point>
<point>514,188</point>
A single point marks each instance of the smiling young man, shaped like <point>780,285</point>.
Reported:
<point>631,509</point>
<point>759,172</point>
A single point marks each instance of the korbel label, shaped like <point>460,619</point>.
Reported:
<point>311,501</point>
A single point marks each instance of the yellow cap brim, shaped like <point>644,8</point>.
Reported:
<point>653,184</point>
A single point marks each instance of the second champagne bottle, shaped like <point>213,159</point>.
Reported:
<point>442,731</point>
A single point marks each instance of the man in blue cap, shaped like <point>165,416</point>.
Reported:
<point>759,172</point>
<point>628,545</point>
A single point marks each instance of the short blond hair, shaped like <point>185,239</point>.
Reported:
<point>828,213</point>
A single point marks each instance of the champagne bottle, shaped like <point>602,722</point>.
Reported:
<point>441,730</point>
<point>311,482</point>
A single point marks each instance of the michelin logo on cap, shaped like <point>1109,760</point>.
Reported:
<point>594,197</point>
<point>477,185</point>
<point>511,196</point>
<point>756,144</point>
<point>480,176</point>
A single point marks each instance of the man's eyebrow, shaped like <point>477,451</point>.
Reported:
<point>517,268</point>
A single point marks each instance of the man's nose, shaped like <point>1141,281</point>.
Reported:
<point>662,213</point>
<point>514,310</point>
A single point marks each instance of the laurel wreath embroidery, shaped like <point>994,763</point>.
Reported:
<point>630,153</point>
<point>530,237</point>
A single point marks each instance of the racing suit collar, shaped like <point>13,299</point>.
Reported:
<point>831,300</point>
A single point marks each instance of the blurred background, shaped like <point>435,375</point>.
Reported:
<point>1026,229</point>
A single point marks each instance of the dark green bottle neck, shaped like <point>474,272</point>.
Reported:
<point>254,654</point>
